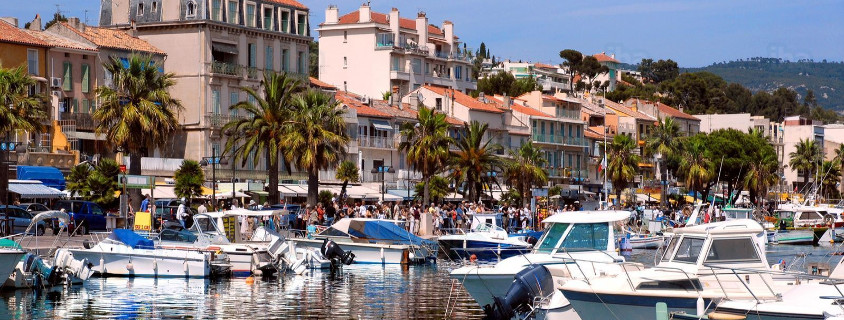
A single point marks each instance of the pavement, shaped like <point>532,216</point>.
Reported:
<point>49,241</point>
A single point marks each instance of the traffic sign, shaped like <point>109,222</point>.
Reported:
<point>123,168</point>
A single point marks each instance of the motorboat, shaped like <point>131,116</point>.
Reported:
<point>374,241</point>
<point>128,254</point>
<point>11,254</point>
<point>570,240</point>
<point>644,240</point>
<point>486,240</point>
<point>799,225</point>
<point>701,265</point>
<point>299,260</point>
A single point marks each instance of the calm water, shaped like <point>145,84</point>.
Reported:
<point>359,292</point>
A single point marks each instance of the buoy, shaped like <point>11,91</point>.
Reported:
<point>473,258</point>
<point>250,280</point>
<point>129,266</point>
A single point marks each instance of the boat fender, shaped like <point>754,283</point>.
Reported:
<point>185,267</point>
<point>700,305</point>
<point>250,280</point>
<point>102,265</point>
<point>129,267</point>
<point>155,265</point>
<point>257,272</point>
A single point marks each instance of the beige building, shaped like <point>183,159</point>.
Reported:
<point>689,124</point>
<point>371,53</point>
<point>215,48</point>
<point>794,130</point>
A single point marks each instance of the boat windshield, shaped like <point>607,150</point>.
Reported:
<point>552,237</point>
<point>588,236</point>
<point>177,236</point>
<point>689,250</point>
<point>672,244</point>
<point>731,250</point>
<point>203,224</point>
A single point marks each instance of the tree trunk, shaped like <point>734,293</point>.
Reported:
<point>134,169</point>
<point>426,194</point>
<point>313,187</point>
<point>272,182</point>
<point>343,192</point>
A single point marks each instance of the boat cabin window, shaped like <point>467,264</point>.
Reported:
<point>684,284</point>
<point>785,214</point>
<point>689,250</point>
<point>728,250</point>
<point>733,215</point>
<point>587,236</point>
<point>178,236</point>
<point>672,244</point>
<point>552,237</point>
<point>203,224</point>
<point>810,215</point>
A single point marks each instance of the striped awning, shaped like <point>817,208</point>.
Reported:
<point>35,191</point>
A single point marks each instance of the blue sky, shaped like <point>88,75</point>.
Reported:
<point>693,33</point>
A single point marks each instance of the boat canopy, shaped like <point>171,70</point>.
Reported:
<point>739,226</point>
<point>379,231</point>
<point>52,214</point>
<point>242,212</point>
<point>132,239</point>
<point>587,217</point>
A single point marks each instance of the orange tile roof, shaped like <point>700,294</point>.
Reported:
<point>544,66</point>
<point>55,40</point>
<point>576,78</point>
<point>603,57</point>
<point>520,108</point>
<point>406,112</point>
<point>114,39</point>
<point>320,84</point>
<point>466,100</point>
<point>10,33</point>
<point>353,101</point>
<point>627,111</point>
<point>290,3</point>
<point>593,134</point>
<point>668,110</point>
<point>354,17</point>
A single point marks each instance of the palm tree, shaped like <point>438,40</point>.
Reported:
<point>315,136</point>
<point>77,180</point>
<point>426,145</point>
<point>136,111</point>
<point>474,160</point>
<point>622,162</point>
<point>260,132</point>
<point>831,176</point>
<point>347,172</point>
<point>437,188</point>
<point>696,166</point>
<point>805,158</point>
<point>761,174</point>
<point>526,169</point>
<point>189,179</point>
<point>18,109</point>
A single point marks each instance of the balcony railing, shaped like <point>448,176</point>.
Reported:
<point>225,68</point>
<point>217,121</point>
<point>83,121</point>
<point>252,73</point>
<point>546,138</point>
<point>377,142</point>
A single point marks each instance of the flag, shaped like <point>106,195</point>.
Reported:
<point>603,164</point>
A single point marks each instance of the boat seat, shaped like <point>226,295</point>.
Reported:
<point>724,316</point>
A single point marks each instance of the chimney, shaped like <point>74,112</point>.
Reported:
<point>635,106</point>
<point>365,13</point>
<point>481,97</point>
<point>422,29</point>
<point>35,24</point>
<point>74,22</point>
<point>508,102</point>
<point>448,32</point>
<point>612,56</point>
<point>133,29</point>
<point>394,24</point>
<point>394,97</point>
<point>331,14</point>
<point>10,20</point>
<point>680,107</point>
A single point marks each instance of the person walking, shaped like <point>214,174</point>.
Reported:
<point>201,208</point>
<point>145,204</point>
<point>181,213</point>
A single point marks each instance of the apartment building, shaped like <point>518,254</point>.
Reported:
<point>371,53</point>
<point>612,64</point>
<point>215,48</point>
<point>689,124</point>
<point>794,130</point>
<point>553,79</point>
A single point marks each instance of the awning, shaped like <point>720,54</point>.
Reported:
<point>381,125</point>
<point>292,190</point>
<point>49,176</point>
<point>224,47</point>
<point>405,194</point>
<point>34,190</point>
<point>89,136</point>
<point>161,192</point>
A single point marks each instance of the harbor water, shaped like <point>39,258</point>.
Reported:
<point>358,292</point>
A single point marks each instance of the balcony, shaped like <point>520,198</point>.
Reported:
<point>550,85</point>
<point>62,161</point>
<point>553,139</point>
<point>377,142</point>
<point>217,121</point>
<point>83,121</point>
<point>399,75</point>
<point>225,68</point>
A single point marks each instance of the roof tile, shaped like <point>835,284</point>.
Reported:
<point>321,84</point>
<point>521,109</point>
<point>603,57</point>
<point>10,33</point>
<point>627,111</point>
<point>114,39</point>
<point>467,100</point>
<point>290,3</point>
<point>354,101</point>
<point>55,40</point>
<point>381,18</point>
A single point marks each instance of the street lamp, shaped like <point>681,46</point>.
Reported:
<point>213,160</point>
<point>383,170</point>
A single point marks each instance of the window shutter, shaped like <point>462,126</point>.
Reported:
<point>86,85</point>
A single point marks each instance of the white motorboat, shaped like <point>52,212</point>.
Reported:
<point>374,241</point>
<point>570,238</point>
<point>486,240</point>
<point>645,241</point>
<point>125,253</point>
<point>701,264</point>
<point>10,255</point>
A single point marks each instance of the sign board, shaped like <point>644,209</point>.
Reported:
<point>136,182</point>
<point>123,168</point>
<point>540,192</point>
<point>143,221</point>
<point>230,227</point>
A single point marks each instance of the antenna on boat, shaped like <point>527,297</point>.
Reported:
<point>717,183</point>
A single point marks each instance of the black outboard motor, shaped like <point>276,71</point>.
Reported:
<point>534,281</point>
<point>531,240</point>
<point>331,251</point>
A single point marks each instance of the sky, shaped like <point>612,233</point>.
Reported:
<point>693,33</point>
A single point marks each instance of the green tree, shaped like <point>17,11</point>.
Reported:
<point>436,187</point>
<point>315,136</point>
<point>526,169</point>
<point>262,130</point>
<point>761,175</point>
<point>18,109</point>
<point>504,83</point>
<point>830,177</point>
<point>805,158</point>
<point>572,58</point>
<point>189,178</point>
<point>77,180</point>
<point>621,168</point>
<point>426,145</point>
<point>103,183</point>
<point>664,138</point>
<point>695,165</point>
<point>324,197</point>
<point>347,172</point>
<point>474,160</point>
<point>136,111</point>
<point>659,71</point>
<point>313,58</point>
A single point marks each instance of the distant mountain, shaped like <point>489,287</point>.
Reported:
<point>826,79</point>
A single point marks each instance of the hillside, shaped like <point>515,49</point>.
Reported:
<point>826,79</point>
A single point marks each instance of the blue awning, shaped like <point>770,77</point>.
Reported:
<point>381,125</point>
<point>34,190</point>
<point>49,176</point>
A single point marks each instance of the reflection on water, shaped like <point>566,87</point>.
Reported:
<point>359,292</point>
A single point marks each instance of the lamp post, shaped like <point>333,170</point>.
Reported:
<point>383,170</point>
<point>213,160</point>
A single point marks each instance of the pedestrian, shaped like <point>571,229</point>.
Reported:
<point>330,213</point>
<point>181,213</point>
<point>145,203</point>
<point>200,209</point>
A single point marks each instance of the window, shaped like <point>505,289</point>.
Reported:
<point>345,62</point>
<point>32,61</point>
<point>689,250</point>
<point>345,36</point>
<point>549,240</point>
<point>215,101</point>
<point>684,284</point>
<point>458,72</point>
<point>587,236</point>
<point>232,12</point>
<point>300,66</point>
<point>396,64</point>
<point>253,55</point>
<point>285,60</point>
<point>67,80</point>
<point>234,98</point>
<point>216,8</point>
<point>439,103</point>
<point>268,64</point>
<point>191,9</point>
<point>140,9</point>
<point>86,78</point>
<point>285,21</point>
<point>86,106</point>
<point>75,106</point>
<point>268,18</point>
<point>417,66</point>
<point>300,19</point>
<point>723,250</point>
<point>250,15</point>
<point>154,7</point>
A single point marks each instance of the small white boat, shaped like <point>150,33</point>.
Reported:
<point>646,241</point>
<point>10,255</point>
<point>486,240</point>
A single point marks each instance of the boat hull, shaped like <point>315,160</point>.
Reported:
<point>646,242</point>
<point>366,253</point>
<point>600,306</point>
<point>483,250</point>
<point>158,263</point>
<point>9,259</point>
<point>796,236</point>
<point>760,315</point>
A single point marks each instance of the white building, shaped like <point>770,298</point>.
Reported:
<point>371,53</point>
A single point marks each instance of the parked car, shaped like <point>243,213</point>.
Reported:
<point>168,213</point>
<point>84,216</point>
<point>34,208</point>
<point>20,219</point>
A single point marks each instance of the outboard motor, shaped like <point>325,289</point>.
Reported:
<point>532,282</point>
<point>331,251</point>
<point>531,240</point>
